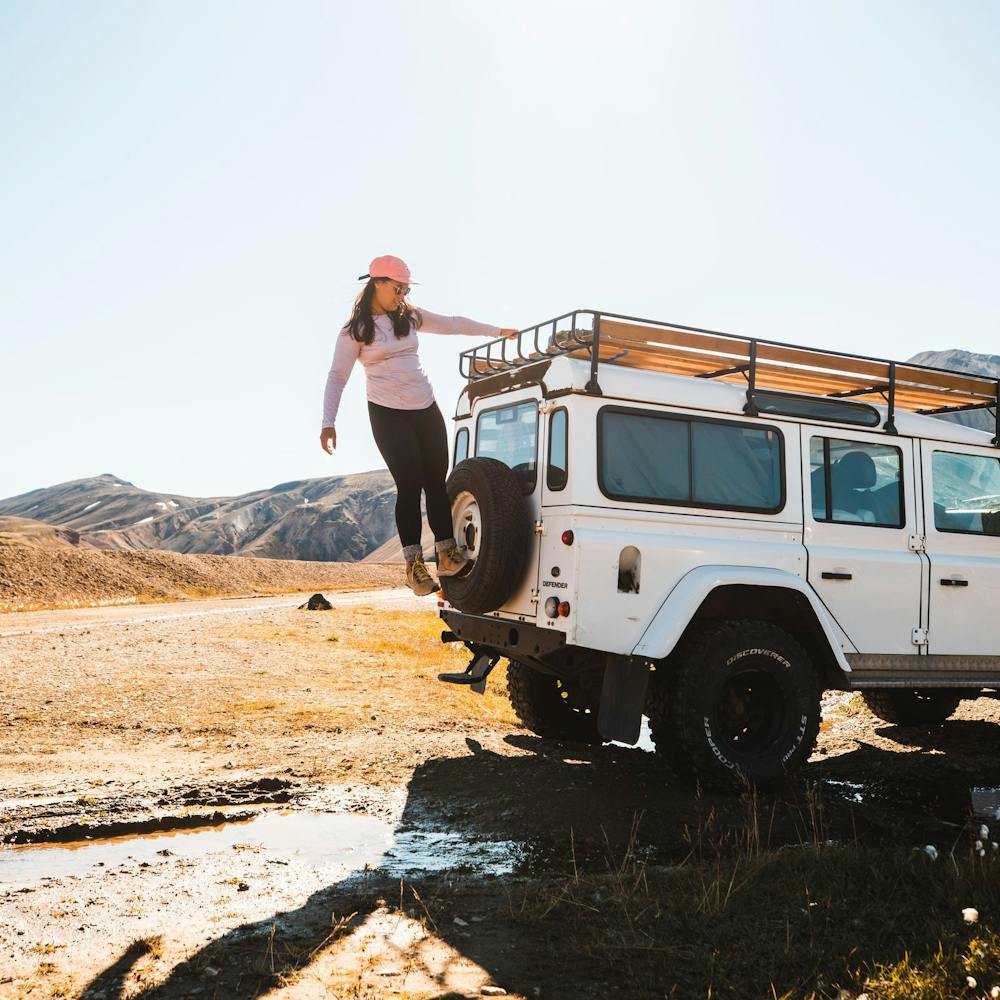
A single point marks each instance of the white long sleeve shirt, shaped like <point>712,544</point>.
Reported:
<point>394,375</point>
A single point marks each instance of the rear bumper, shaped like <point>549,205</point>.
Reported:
<point>517,640</point>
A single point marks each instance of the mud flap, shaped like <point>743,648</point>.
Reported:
<point>623,696</point>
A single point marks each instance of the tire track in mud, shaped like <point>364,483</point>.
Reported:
<point>45,822</point>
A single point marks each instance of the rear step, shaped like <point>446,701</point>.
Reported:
<point>475,673</point>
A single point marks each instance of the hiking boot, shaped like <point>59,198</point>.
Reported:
<point>418,579</point>
<point>451,562</point>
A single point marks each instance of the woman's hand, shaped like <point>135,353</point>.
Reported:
<point>328,439</point>
<point>509,334</point>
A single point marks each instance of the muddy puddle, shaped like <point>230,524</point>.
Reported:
<point>986,802</point>
<point>850,790</point>
<point>280,867</point>
<point>323,842</point>
<point>949,804</point>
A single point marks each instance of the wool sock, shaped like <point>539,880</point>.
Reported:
<point>441,546</point>
<point>410,552</point>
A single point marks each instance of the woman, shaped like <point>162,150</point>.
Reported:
<point>406,422</point>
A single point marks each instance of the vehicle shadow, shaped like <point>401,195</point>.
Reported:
<point>923,789</point>
<point>579,807</point>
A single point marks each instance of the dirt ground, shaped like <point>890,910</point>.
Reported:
<point>240,798</point>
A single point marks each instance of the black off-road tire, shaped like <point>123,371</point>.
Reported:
<point>903,707</point>
<point>737,702</point>
<point>506,536</point>
<point>548,708</point>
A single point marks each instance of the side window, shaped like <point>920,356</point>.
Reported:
<point>510,435</point>
<point>557,471</point>
<point>966,493</point>
<point>461,446</point>
<point>854,482</point>
<point>656,458</point>
<point>838,411</point>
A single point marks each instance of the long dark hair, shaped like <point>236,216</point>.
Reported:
<point>361,325</point>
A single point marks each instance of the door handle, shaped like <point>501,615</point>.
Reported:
<point>949,581</point>
<point>838,576</point>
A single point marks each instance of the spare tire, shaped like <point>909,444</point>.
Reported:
<point>493,525</point>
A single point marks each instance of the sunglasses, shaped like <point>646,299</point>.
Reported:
<point>400,289</point>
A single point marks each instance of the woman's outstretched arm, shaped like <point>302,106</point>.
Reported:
<point>459,325</point>
<point>344,356</point>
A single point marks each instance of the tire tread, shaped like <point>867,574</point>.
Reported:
<point>891,705</point>
<point>675,724</point>
<point>537,703</point>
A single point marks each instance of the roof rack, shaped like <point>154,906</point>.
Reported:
<point>762,365</point>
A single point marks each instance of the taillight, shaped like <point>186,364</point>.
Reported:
<point>552,607</point>
<point>567,538</point>
<point>564,609</point>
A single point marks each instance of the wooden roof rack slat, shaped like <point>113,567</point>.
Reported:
<point>724,345</point>
<point>769,376</point>
<point>870,370</point>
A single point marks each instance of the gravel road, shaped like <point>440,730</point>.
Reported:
<point>38,622</point>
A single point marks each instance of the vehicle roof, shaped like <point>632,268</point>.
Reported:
<point>641,386</point>
<point>670,363</point>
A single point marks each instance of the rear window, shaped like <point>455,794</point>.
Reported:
<point>690,462</point>
<point>510,435</point>
<point>461,446</point>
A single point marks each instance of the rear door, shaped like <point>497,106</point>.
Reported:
<point>962,497</point>
<point>861,520</point>
<point>509,431</point>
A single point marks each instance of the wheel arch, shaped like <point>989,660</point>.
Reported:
<point>720,592</point>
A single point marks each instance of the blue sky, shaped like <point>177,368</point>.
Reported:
<point>189,190</point>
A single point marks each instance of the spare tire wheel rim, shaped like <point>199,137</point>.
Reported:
<point>468,522</point>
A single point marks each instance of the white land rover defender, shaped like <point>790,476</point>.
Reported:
<point>711,530</point>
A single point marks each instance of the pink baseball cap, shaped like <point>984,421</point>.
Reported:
<point>389,267</point>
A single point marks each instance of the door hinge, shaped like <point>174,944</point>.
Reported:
<point>920,637</point>
<point>539,528</point>
<point>918,543</point>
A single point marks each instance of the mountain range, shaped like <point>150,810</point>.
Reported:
<point>345,518</point>
<point>338,519</point>
<point>965,361</point>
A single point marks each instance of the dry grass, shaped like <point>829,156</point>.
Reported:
<point>364,659</point>
<point>260,705</point>
<point>738,919</point>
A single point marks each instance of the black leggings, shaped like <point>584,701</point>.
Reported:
<point>414,444</point>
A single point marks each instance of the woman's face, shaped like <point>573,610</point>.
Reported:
<point>389,294</point>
